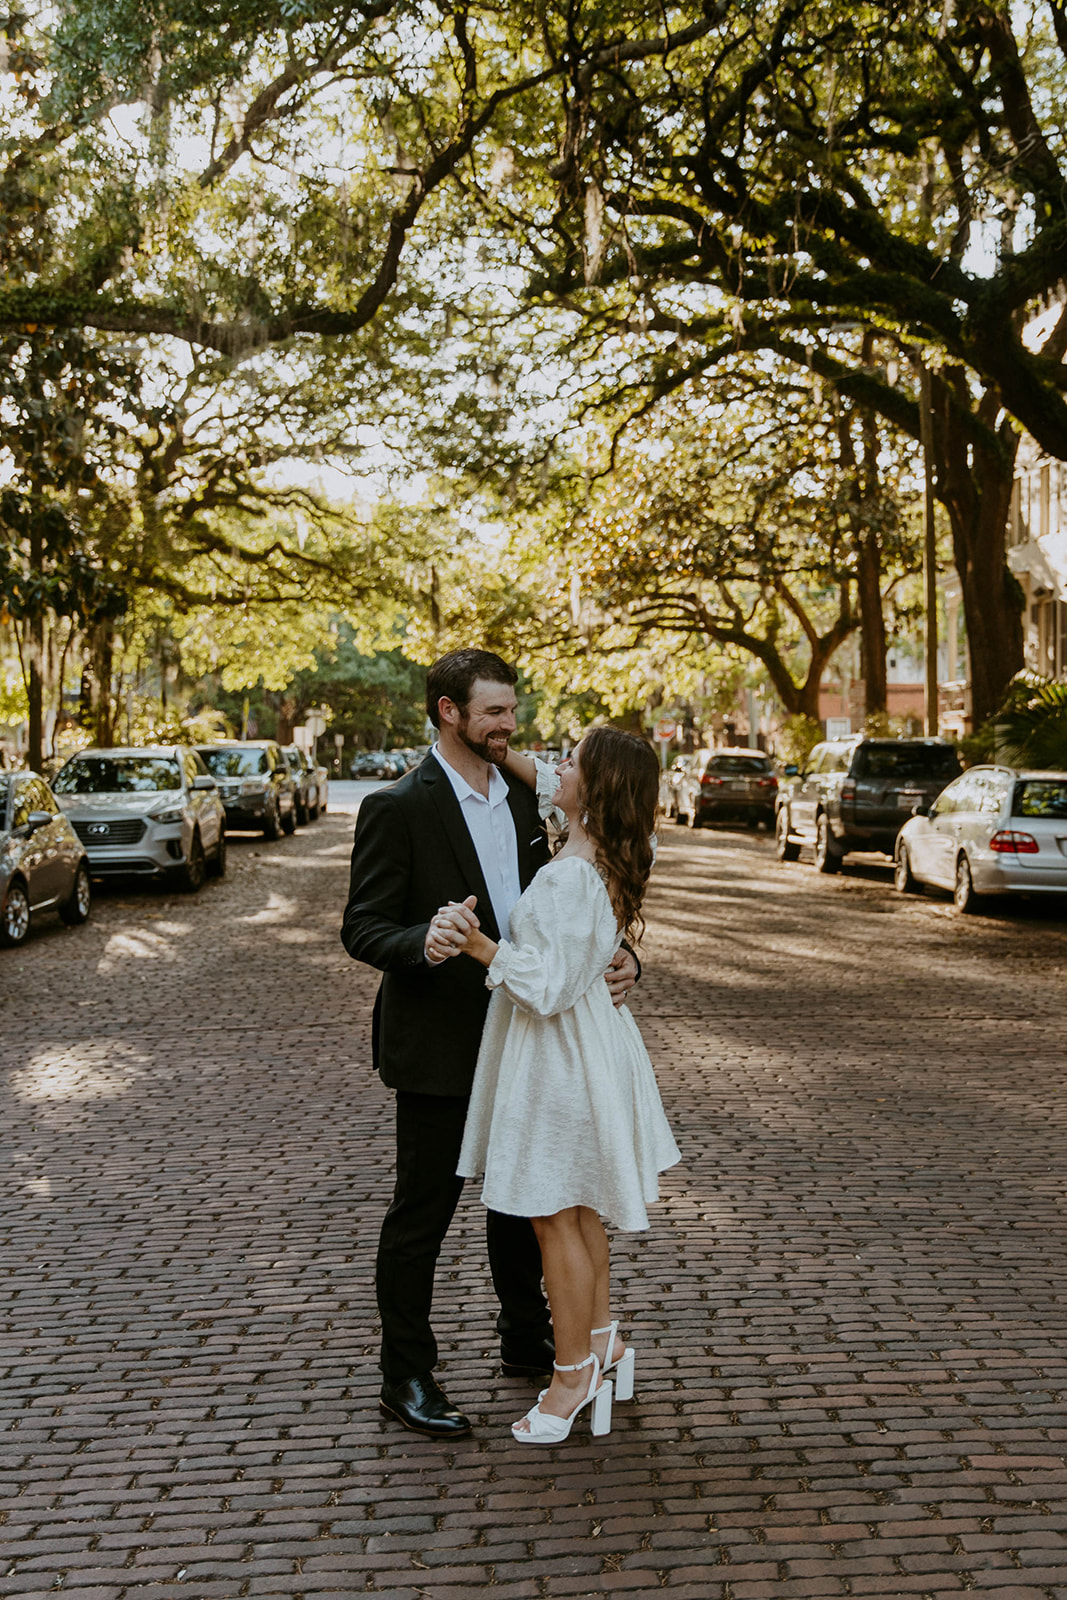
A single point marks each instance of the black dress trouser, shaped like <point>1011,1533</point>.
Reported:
<point>429,1133</point>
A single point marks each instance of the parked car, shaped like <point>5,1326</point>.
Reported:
<point>255,783</point>
<point>365,764</point>
<point>668,786</point>
<point>304,778</point>
<point>151,812</point>
<point>379,764</point>
<point>857,794</point>
<point>43,865</point>
<point>995,830</point>
<point>732,784</point>
<point>321,791</point>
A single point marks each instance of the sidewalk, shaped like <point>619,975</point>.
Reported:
<point>850,1313</point>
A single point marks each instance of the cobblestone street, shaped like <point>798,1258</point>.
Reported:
<point>850,1314</point>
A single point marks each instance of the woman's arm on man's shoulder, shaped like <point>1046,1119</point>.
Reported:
<point>523,767</point>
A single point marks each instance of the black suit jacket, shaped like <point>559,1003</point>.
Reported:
<point>412,854</point>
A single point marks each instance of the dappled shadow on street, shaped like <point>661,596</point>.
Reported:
<point>852,1296</point>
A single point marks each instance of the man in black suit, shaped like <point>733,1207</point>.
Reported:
<point>455,826</point>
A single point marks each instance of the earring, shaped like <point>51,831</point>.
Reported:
<point>585,819</point>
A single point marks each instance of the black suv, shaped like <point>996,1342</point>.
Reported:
<point>255,783</point>
<point>856,794</point>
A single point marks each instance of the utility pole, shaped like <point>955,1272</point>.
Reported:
<point>926,428</point>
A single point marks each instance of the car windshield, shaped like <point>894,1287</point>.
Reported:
<point>906,761</point>
<point>739,764</point>
<point>118,775</point>
<point>1040,797</point>
<point>235,763</point>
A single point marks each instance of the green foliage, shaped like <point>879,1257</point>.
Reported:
<point>378,700</point>
<point>1030,730</point>
<point>798,737</point>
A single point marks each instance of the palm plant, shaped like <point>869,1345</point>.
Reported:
<point>1031,725</point>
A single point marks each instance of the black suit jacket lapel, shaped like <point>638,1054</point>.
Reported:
<point>528,832</point>
<point>458,836</point>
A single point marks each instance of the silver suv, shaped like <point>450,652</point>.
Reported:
<point>150,811</point>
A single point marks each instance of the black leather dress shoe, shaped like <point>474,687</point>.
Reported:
<point>422,1405</point>
<point>530,1359</point>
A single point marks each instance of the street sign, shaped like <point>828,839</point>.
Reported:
<point>666,731</point>
<point>315,723</point>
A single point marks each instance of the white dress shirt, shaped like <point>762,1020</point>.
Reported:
<point>492,830</point>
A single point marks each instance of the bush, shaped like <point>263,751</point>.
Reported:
<point>1030,729</point>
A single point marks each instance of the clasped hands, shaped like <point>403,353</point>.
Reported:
<point>450,930</point>
<point>455,930</point>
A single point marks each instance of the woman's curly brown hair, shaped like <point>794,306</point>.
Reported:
<point>619,788</point>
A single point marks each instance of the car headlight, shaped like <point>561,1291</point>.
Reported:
<point>173,814</point>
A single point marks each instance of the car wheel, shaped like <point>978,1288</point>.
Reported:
<point>784,847</point>
<point>827,859</point>
<point>15,921</point>
<point>195,869</point>
<point>302,815</point>
<point>289,820</point>
<point>217,868</point>
<point>76,909</point>
<point>963,896</point>
<point>904,880</point>
<point>313,812</point>
<point>272,823</point>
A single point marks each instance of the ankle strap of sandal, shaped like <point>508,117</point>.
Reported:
<point>612,1328</point>
<point>577,1365</point>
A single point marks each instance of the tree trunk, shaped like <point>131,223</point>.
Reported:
<point>35,692</point>
<point>34,663</point>
<point>97,708</point>
<point>974,484</point>
<point>872,625</point>
<point>862,509</point>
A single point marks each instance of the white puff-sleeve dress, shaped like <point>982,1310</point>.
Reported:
<point>565,1110</point>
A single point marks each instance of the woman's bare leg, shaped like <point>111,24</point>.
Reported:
<point>571,1283</point>
<point>600,1254</point>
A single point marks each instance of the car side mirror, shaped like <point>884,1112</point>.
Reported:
<point>790,770</point>
<point>203,781</point>
<point>37,819</point>
<point>922,808</point>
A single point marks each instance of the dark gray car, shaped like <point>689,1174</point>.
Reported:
<point>257,788</point>
<point>43,866</point>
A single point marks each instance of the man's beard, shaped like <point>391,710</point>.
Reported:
<point>494,754</point>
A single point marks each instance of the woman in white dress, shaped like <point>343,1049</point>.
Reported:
<point>565,1119</point>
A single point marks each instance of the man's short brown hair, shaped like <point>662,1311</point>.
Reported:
<point>453,676</point>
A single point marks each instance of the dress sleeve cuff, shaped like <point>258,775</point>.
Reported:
<point>497,970</point>
<point>548,782</point>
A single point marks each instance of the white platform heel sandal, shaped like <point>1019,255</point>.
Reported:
<point>544,1428</point>
<point>623,1368</point>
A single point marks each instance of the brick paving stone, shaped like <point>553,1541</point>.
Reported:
<point>850,1313</point>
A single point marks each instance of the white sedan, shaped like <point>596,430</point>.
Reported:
<point>995,830</point>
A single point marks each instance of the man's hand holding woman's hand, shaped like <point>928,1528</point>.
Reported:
<point>621,976</point>
<point>450,930</point>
